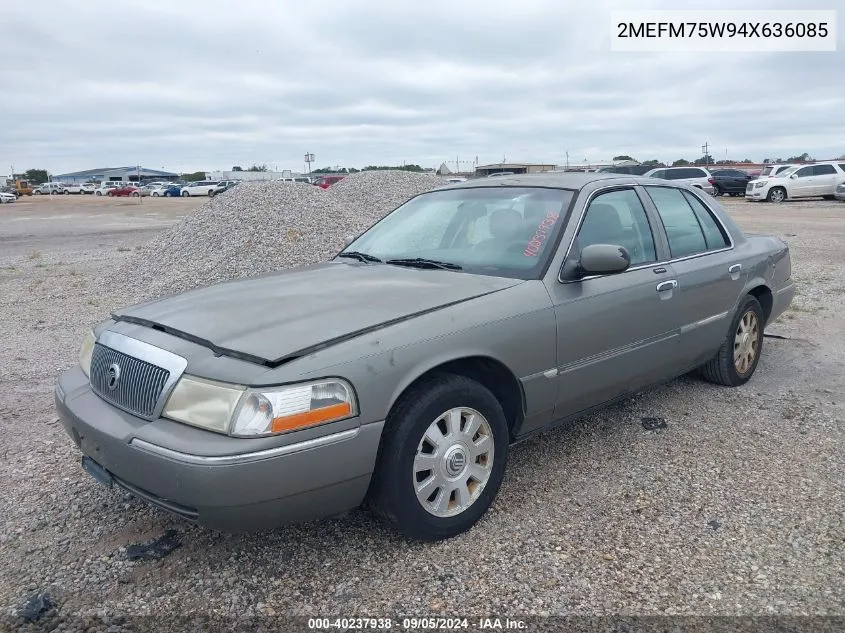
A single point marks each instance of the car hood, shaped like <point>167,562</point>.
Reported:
<point>275,318</point>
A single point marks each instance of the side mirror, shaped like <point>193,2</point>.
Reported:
<point>348,240</point>
<point>603,259</point>
<point>793,176</point>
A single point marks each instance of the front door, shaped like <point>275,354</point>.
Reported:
<point>803,183</point>
<point>614,331</point>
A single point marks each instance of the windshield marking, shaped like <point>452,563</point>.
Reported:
<point>535,244</point>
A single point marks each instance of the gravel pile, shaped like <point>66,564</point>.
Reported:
<point>260,227</point>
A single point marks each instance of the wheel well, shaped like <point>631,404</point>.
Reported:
<point>764,296</point>
<point>494,375</point>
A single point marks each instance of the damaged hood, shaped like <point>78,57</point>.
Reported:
<point>277,317</point>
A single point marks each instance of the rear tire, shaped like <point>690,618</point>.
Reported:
<point>717,191</point>
<point>737,358</point>
<point>185,194</point>
<point>456,426</point>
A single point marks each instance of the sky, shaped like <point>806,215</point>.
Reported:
<point>187,85</point>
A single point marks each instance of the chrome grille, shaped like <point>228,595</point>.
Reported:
<point>139,386</point>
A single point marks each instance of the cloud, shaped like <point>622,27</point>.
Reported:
<point>206,85</point>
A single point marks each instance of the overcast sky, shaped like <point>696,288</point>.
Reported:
<point>186,85</point>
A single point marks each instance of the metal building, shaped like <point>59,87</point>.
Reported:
<point>114,174</point>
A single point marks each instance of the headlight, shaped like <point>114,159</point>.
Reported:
<point>250,412</point>
<point>86,350</point>
<point>277,410</point>
<point>760,183</point>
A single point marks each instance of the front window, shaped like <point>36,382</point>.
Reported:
<point>499,231</point>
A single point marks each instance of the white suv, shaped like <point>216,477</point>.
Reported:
<point>806,181</point>
<point>695,176</point>
<point>201,188</point>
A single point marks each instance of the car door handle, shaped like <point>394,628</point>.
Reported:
<point>735,268</point>
<point>667,285</point>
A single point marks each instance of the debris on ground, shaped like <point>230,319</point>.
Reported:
<point>652,424</point>
<point>714,524</point>
<point>155,549</point>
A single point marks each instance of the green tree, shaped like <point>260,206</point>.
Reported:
<point>707,159</point>
<point>258,168</point>
<point>237,168</point>
<point>194,177</point>
<point>803,158</point>
<point>323,170</point>
<point>36,176</point>
<point>652,163</point>
<point>681,162</point>
<point>624,157</point>
<point>747,161</point>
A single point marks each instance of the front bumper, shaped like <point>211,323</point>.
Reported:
<point>224,488</point>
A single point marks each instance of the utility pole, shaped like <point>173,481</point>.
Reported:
<point>704,149</point>
<point>567,159</point>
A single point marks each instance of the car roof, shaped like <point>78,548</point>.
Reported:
<point>555,179</point>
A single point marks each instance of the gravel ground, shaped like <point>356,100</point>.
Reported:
<point>259,227</point>
<point>734,508</point>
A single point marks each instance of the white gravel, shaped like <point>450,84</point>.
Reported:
<point>735,508</point>
<point>263,226</point>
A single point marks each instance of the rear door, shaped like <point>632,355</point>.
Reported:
<point>615,331</point>
<point>708,273</point>
<point>825,180</point>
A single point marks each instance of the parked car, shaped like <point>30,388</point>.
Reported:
<point>81,188</point>
<point>202,188</point>
<point>225,186</point>
<point>173,191</point>
<point>303,179</point>
<point>49,188</point>
<point>105,187</point>
<point>500,173</point>
<point>497,326</point>
<point>774,170</point>
<point>6,197</point>
<point>730,181</point>
<point>839,194</point>
<point>160,189</point>
<point>324,182</point>
<point>807,181</point>
<point>695,176</point>
<point>123,191</point>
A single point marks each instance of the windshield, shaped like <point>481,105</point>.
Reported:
<point>499,231</point>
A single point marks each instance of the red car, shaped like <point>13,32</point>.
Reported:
<point>324,182</point>
<point>124,190</point>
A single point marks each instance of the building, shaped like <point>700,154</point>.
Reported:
<point>114,174</point>
<point>516,168</point>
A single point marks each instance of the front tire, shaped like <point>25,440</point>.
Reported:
<point>737,358</point>
<point>442,458</point>
<point>776,194</point>
<point>185,194</point>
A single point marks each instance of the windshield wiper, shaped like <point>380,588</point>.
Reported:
<point>362,257</point>
<point>421,262</point>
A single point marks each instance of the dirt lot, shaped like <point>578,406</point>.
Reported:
<point>736,507</point>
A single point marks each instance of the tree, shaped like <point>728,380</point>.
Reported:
<point>258,168</point>
<point>707,159</point>
<point>681,162</point>
<point>652,163</point>
<point>194,177</point>
<point>624,157</point>
<point>747,161</point>
<point>237,168</point>
<point>803,158</point>
<point>36,176</point>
